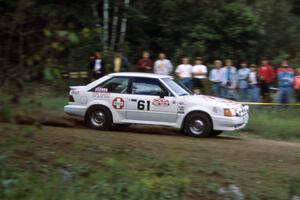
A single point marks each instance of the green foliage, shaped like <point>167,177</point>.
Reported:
<point>295,62</point>
<point>5,112</point>
<point>214,29</point>
<point>42,35</point>
<point>61,35</point>
<point>6,182</point>
<point>118,182</point>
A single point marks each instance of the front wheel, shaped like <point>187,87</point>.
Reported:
<point>98,118</point>
<point>198,125</point>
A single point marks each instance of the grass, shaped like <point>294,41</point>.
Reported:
<point>38,162</point>
<point>108,174</point>
<point>48,102</point>
<point>62,163</point>
<point>273,123</point>
<point>36,96</point>
<point>115,181</point>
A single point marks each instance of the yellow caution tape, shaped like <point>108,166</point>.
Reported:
<point>270,104</point>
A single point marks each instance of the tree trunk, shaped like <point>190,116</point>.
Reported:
<point>6,65</point>
<point>114,25</point>
<point>124,22</point>
<point>105,24</point>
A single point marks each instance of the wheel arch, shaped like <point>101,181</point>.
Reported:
<point>193,112</point>
<point>99,106</point>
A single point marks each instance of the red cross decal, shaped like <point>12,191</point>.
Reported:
<point>118,103</point>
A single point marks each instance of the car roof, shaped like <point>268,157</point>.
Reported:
<point>139,74</point>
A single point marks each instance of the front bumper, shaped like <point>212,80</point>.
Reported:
<point>230,123</point>
<point>76,110</point>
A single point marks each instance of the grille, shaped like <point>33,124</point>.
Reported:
<point>242,110</point>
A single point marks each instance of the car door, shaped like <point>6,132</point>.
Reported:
<point>145,102</point>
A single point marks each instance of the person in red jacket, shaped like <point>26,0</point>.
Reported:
<point>266,75</point>
<point>145,64</point>
<point>296,85</point>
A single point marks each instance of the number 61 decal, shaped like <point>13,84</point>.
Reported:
<point>141,105</point>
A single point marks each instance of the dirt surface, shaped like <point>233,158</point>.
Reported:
<point>42,117</point>
<point>252,153</point>
<point>253,164</point>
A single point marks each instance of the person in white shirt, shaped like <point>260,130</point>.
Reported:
<point>243,77</point>
<point>162,65</point>
<point>229,80</point>
<point>215,76</point>
<point>253,84</point>
<point>199,76</point>
<point>184,72</point>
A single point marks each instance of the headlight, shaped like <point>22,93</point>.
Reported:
<point>232,112</point>
<point>229,112</point>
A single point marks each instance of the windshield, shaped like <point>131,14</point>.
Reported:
<point>179,89</point>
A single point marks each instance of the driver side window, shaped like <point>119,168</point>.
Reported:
<point>148,86</point>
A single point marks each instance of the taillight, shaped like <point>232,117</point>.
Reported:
<point>71,98</point>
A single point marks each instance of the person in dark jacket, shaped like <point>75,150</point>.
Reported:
<point>145,64</point>
<point>97,66</point>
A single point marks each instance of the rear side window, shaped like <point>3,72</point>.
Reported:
<point>114,85</point>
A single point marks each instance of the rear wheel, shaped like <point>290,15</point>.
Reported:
<point>98,118</point>
<point>198,125</point>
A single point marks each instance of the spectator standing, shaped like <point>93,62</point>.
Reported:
<point>184,72</point>
<point>215,76</point>
<point>97,66</point>
<point>199,76</point>
<point>285,75</point>
<point>266,76</point>
<point>253,84</point>
<point>162,65</point>
<point>296,84</point>
<point>120,63</point>
<point>243,76</point>
<point>145,64</point>
<point>229,82</point>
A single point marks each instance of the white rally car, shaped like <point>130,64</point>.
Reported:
<point>121,99</point>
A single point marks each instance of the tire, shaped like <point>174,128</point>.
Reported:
<point>99,118</point>
<point>198,125</point>
<point>216,133</point>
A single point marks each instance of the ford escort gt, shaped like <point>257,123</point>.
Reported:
<point>121,99</point>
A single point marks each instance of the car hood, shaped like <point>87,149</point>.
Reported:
<point>212,101</point>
